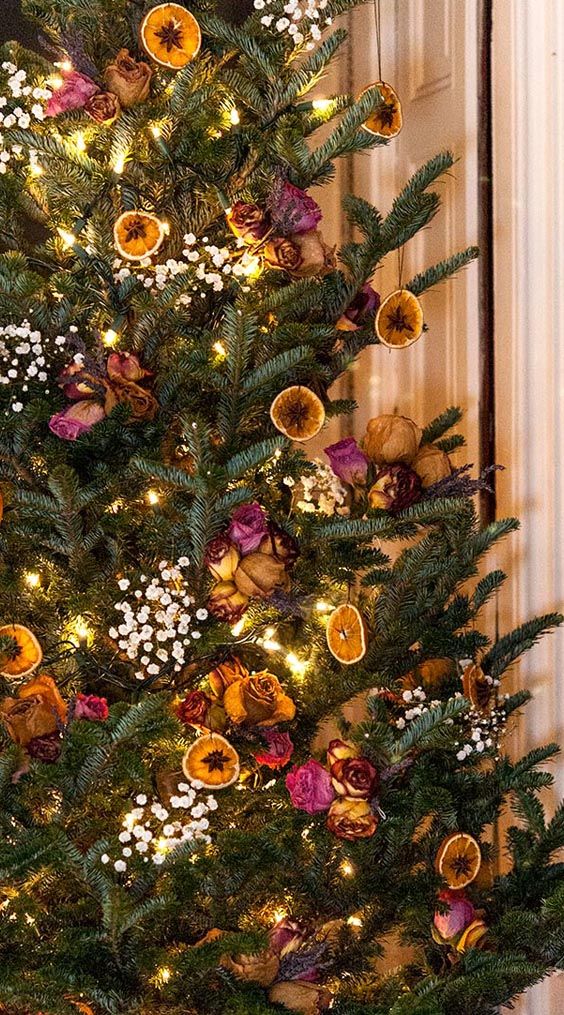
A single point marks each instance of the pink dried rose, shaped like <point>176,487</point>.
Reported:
<point>125,366</point>
<point>310,787</point>
<point>74,93</point>
<point>292,209</point>
<point>248,527</point>
<point>78,419</point>
<point>91,707</point>
<point>458,916</point>
<point>348,462</point>
<point>280,749</point>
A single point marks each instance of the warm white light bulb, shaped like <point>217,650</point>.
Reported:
<point>32,579</point>
<point>321,105</point>
<point>110,337</point>
<point>68,238</point>
<point>80,142</point>
<point>234,117</point>
<point>119,165</point>
<point>220,349</point>
<point>155,131</point>
<point>152,497</point>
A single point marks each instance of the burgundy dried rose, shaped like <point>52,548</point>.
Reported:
<point>222,558</point>
<point>74,93</point>
<point>354,777</point>
<point>125,366</point>
<point>293,210</point>
<point>280,750</point>
<point>77,383</point>
<point>286,936</point>
<point>46,748</point>
<point>102,107</point>
<point>310,787</point>
<point>348,462</point>
<point>397,487</point>
<point>78,419</point>
<point>302,255</point>
<point>129,79</point>
<point>250,222</point>
<point>364,306</point>
<point>281,545</point>
<point>91,707</point>
<point>247,528</point>
<point>351,819</point>
<point>194,708</point>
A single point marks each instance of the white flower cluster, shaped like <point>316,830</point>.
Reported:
<point>159,623</point>
<point>19,108</point>
<point>209,267</point>
<point>300,19</point>
<point>417,705</point>
<point>320,493</point>
<point>151,832</point>
<point>26,358</point>
<point>483,731</point>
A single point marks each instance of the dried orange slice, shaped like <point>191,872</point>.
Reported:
<point>171,35</point>
<point>387,119</point>
<point>458,860</point>
<point>26,654</point>
<point>477,687</point>
<point>212,761</point>
<point>346,634</point>
<point>298,413</point>
<point>138,234</point>
<point>399,321</point>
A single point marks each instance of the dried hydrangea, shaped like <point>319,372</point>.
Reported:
<point>160,621</point>
<point>320,492</point>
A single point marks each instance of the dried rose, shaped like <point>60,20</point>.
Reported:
<point>259,574</point>
<point>293,210</point>
<point>364,306</point>
<point>302,255</point>
<point>46,748</point>
<point>193,709</point>
<point>77,383</point>
<point>103,107</point>
<point>78,419</point>
<point>74,93</point>
<point>351,819</point>
<point>392,440</point>
<point>458,916</point>
<point>225,674</point>
<point>258,700</point>
<point>226,602</point>
<point>310,787</point>
<point>247,527</point>
<point>142,404</point>
<point>39,709</point>
<point>125,366</point>
<point>397,487</point>
<point>280,750</point>
<point>297,995</point>
<point>340,750</point>
<point>473,937</point>
<point>354,777</point>
<point>222,558</point>
<point>286,936</point>
<point>261,968</point>
<point>91,707</point>
<point>279,544</point>
<point>250,222</point>
<point>129,79</point>
<point>348,462</point>
<point>431,465</point>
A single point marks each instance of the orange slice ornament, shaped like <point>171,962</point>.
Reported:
<point>298,413</point>
<point>25,655</point>
<point>458,860</point>
<point>170,35</point>
<point>387,120</point>
<point>212,761</point>
<point>346,634</point>
<point>138,234</point>
<point>399,321</point>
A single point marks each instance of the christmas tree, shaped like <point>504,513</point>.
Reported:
<point>187,595</point>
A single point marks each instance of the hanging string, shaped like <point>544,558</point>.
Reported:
<point>378,21</point>
<point>401,258</point>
